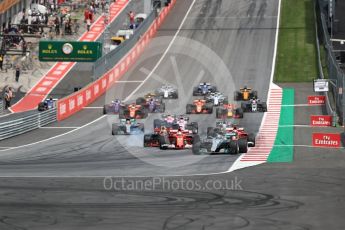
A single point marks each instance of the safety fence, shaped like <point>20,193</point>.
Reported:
<point>71,104</point>
<point>335,74</point>
<point>1,106</point>
<point>28,123</point>
<point>106,62</point>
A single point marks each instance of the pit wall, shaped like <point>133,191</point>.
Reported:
<point>75,102</point>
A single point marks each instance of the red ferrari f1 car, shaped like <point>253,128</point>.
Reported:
<point>166,138</point>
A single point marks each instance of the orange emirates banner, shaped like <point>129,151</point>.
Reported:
<point>6,4</point>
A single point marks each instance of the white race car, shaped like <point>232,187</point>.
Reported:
<point>167,92</point>
<point>217,98</point>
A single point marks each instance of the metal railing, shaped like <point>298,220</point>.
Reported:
<point>333,69</point>
<point>28,123</point>
<point>1,106</point>
<point>108,61</point>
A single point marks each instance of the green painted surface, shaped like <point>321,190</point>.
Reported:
<point>297,54</point>
<point>285,136</point>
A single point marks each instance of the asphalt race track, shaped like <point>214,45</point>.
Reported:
<point>61,183</point>
<point>239,33</point>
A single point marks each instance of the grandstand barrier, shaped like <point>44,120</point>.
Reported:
<point>74,103</point>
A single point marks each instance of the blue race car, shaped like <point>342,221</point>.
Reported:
<point>204,89</point>
<point>114,107</point>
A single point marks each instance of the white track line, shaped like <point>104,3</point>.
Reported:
<point>309,146</point>
<point>233,167</point>
<point>299,105</point>
<point>164,54</point>
<point>51,138</point>
<point>60,127</point>
<point>128,81</point>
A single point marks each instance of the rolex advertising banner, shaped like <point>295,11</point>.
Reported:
<point>69,51</point>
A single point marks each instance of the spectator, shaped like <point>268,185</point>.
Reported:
<point>17,72</point>
<point>91,16</point>
<point>1,61</point>
<point>92,9</point>
<point>103,5</point>
<point>131,16</point>
<point>88,24</point>
<point>25,46</point>
<point>57,26</point>
<point>8,97</point>
<point>86,15</point>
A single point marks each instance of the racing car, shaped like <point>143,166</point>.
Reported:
<point>227,144</point>
<point>167,92</point>
<point>254,105</point>
<point>169,139</point>
<point>223,127</point>
<point>127,127</point>
<point>114,107</point>
<point>176,122</point>
<point>229,140</point>
<point>245,94</point>
<point>216,98</point>
<point>204,89</point>
<point>199,106</point>
<point>46,104</point>
<point>229,111</point>
<point>152,103</point>
<point>133,111</point>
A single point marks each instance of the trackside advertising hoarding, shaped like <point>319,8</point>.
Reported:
<point>328,140</point>
<point>316,100</point>
<point>69,105</point>
<point>320,120</point>
<point>69,51</point>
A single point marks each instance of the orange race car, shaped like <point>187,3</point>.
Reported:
<point>133,111</point>
<point>199,106</point>
<point>245,94</point>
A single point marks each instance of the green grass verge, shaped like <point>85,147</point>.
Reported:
<point>296,54</point>
<point>285,135</point>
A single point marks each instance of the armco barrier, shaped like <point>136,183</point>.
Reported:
<point>22,125</point>
<point>1,106</point>
<point>69,105</point>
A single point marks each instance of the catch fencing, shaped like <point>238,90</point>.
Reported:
<point>107,62</point>
<point>28,123</point>
<point>334,72</point>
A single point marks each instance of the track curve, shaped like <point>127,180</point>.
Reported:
<point>241,33</point>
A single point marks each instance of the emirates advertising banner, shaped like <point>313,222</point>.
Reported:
<point>320,120</point>
<point>316,100</point>
<point>327,140</point>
